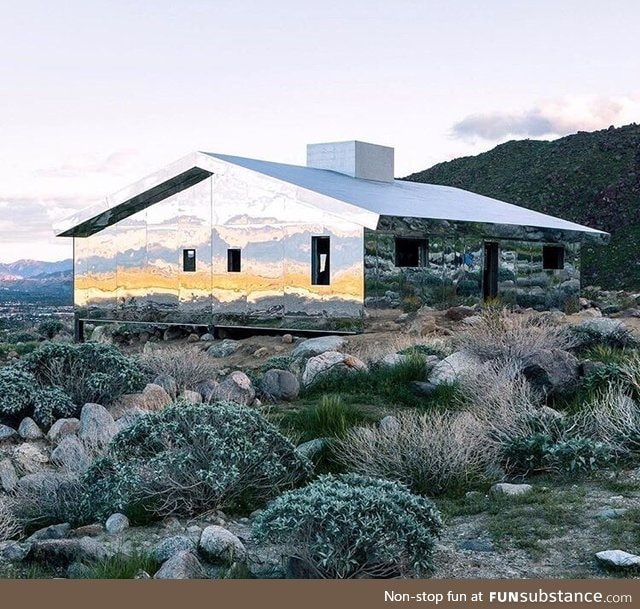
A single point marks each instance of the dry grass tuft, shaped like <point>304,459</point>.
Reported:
<point>187,365</point>
<point>9,526</point>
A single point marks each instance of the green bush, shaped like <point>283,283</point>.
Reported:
<point>350,526</point>
<point>51,404</point>
<point>89,372</point>
<point>50,327</point>
<point>604,332</point>
<point>277,362</point>
<point>122,566</point>
<point>17,389</point>
<point>193,458</point>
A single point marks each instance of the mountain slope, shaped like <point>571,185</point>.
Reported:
<point>589,178</point>
<point>25,269</point>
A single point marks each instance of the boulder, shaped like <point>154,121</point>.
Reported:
<point>8,476</point>
<point>29,430</point>
<point>182,565</point>
<point>423,389</point>
<point>54,531</point>
<point>287,339</point>
<point>207,337</point>
<point>12,551</point>
<point>512,490</point>
<point>451,368</point>
<point>62,428</point>
<point>168,383</point>
<point>129,417</point>
<point>97,426</point>
<point>478,545</point>
<point>329,362</point>
<point>589,313</point>
<point>394,359</point>
<point>459,313</point>
<point>191,396</point>
<point>208,390</point>
<point>618,559</point>
<point>318,345</point>
<point>71,455</point>
<point>168,547</point>
<point>7,434</point>
<point>389,424</point>
<point>193,338</point>
<point>225,348</point>
<point>154,397</point>
<point>87,530</point>
<point>553,371</point>
<point>311,448</point>
<point>101,334</point>
<point>280,385</point>
<point>62,552</point>
<point>45,482</point>
<point>28,458</point>
<point>219,545</point>
<point>116,524</point>
<point>236,388</point>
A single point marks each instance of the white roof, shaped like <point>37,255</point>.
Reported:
<point>374,199</point>
<point>407,199</point>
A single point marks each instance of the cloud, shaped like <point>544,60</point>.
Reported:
<point>550,118</point>
<point>114,163</point>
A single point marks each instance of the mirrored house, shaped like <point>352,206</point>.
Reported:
<point>224,241</point>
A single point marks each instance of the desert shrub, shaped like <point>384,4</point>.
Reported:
<point>432,453</point>
<point>193,458</point>
<point>187,366</point>
<point>48,499</point>
<point>606,354</point>
<point>277,362</point>
<point>501,335</point>
<point>9,526</point>
<point>89,372</point>
<point>51,404</point>
<point>602,331</point>
<point>601,378</point>
<point>50,327</point>
<point>423,350</point>
<point>350,526</point>
<point>612,416</point>
<point>17,389</point>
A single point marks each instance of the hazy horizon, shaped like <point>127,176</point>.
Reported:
<point>97,95</point>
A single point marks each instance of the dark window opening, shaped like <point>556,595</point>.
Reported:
<point>552,257</point>
<point>189,261</point>
<point>320,259</point>
<point>411,252</point>
<point>234,260</point>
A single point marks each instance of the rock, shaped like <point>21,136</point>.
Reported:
<point>7,433</point>
<point>8,476</point>
<point>318,345</point>
<point>207,338</point>
<point>553,371</point>
<point>28,458</point>
<point>236,388</point>
<point>62,552</point>
<point>129,417</point>
<point>512,490</point>
<point>219,545</point>
<point>54,531</point>
<point>183,565</point>
<point>261,352</point>
<point>78,570</point>
<point>97,426</point>
<point>223,349</point>
<point>472,321</point>
<point>618,558</point>
<point>589,367</point>
<point>478,545</point>
<point>193,338</point>
<point>116,524</point>
<point>101,334</point>
<point>172,333</point>
<point>12,551</point>
<point>71,455</point>
<point>611,513</point>
<point>154,397</point>
<point>389,424</point>
<point>168,383</point>
<point>589,313</point>
<point>62,428</point>
<point>394,359</point>
<point>311,448</point>
<point>88,530</point>
<point>168,547</point>
<point>46,482</point>
<point>191,396</point>
<point>280,385</point>
<point>423,389</point>
<point>452,367</point>
<point>330,362</point>
<point>142,574</point>
<point>287,339</point>
<point>459,313</point>
<point>208,390</point>
<point>29,430</point>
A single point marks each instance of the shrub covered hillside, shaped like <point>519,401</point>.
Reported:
<point>589,178</point>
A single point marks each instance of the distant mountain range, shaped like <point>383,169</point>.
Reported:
<point>589,178</point>
<point>35,280</point>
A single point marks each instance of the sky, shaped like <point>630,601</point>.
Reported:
<point>95,94</point>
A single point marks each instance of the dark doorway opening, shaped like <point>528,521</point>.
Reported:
<point>490,275</point>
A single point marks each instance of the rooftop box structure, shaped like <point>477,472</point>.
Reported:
<point>219,240</point>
